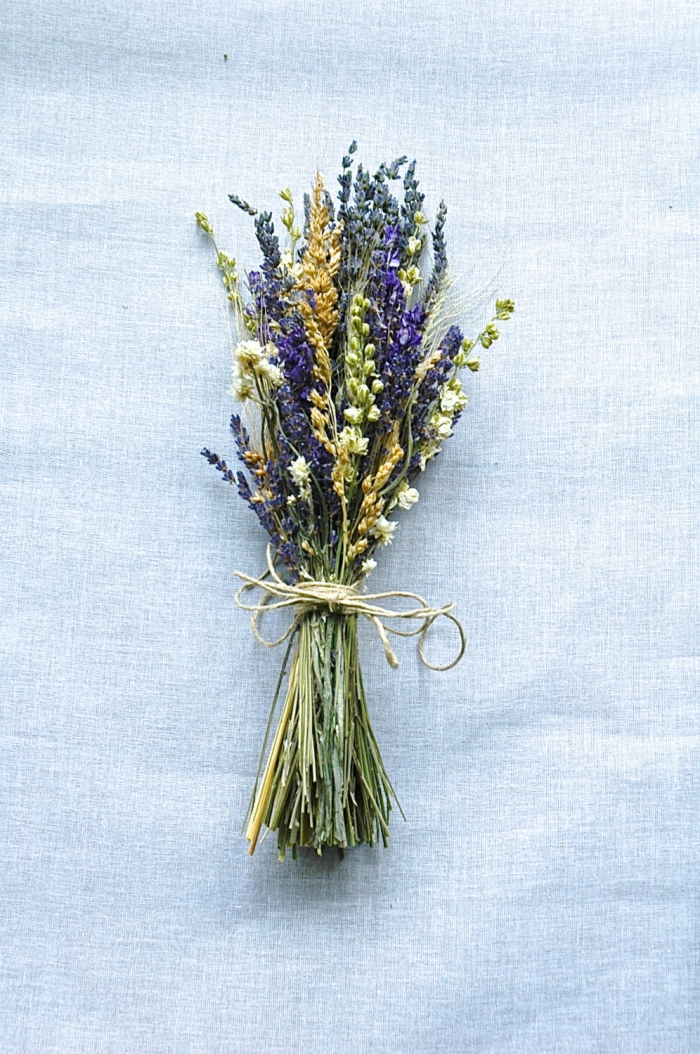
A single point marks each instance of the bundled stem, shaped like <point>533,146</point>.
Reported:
<point>324,782</point>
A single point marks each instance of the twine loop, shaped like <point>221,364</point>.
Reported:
<point>309,595</point>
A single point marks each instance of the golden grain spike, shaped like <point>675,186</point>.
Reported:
<point>320,265</point>
<point>320,424</point>
<point>322,364</point>
<point>339,472</point>
<point>254,460</point>
<point>373,504</point>
<point>394,455</point>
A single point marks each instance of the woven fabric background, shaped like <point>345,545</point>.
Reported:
<point>542,896</point>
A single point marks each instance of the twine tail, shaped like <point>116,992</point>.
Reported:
<point>388,650</point>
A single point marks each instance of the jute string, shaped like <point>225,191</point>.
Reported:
<point>309,595</point>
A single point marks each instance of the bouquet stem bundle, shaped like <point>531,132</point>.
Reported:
<point>324,782</point>
<point>347,361</point>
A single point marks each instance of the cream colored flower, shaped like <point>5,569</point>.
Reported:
<point>383,530</point>
<point>453,397</point>
<point>448,401</point>
<point>353,441</point>
<point>242,385</point>
<point>354,414</point>
<point>251,362</point>
<point>407,498</point>
<point>273,374</point>
<point>247,354</point>
<point>300,472</point>
<point>441,424</point>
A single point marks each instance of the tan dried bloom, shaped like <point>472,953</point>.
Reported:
<point>320,265</point>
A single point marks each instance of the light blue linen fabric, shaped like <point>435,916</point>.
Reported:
<point>542,896</point>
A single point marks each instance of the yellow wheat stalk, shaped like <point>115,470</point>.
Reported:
<point>372,503</point>
<point>320,264</point>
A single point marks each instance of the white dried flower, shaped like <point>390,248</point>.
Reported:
<point>353,441</point>
<point>441,424</point>
<point>247,354</point>
<point>242,385</point>
<point>273,374</point>
<point>453,397</point>
<point>354,414</point>
<point>407,498</point>
<point>448,401</point>
<point>383,530</point>
<point>367,566</point>
<point>300,472</point>
<point>251,362</point>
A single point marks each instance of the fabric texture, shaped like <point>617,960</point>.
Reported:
<point>542,895</point>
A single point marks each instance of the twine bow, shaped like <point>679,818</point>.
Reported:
<point>312,595</point>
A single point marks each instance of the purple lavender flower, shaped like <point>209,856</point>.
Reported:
<point>296,358</point>
<point>399,367</point>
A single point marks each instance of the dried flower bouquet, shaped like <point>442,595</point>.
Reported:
<point>348,359</point>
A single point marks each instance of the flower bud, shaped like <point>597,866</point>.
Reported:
<point>204,223</point>
<point>354,415</point>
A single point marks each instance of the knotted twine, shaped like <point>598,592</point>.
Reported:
<point>310,595</point>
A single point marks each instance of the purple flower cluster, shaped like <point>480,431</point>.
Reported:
<point>297,360</point>
<point>399,367</point>
<point>267,502</point>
